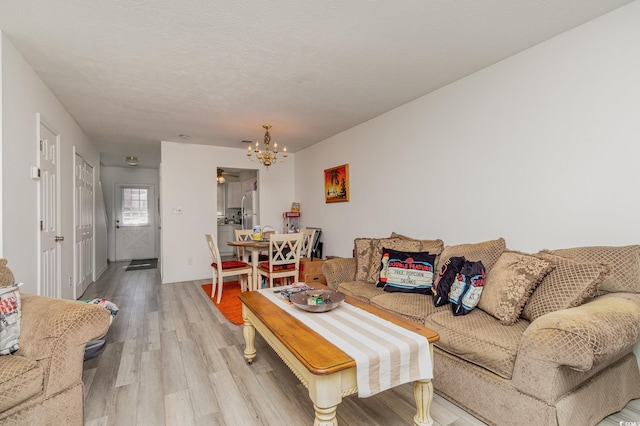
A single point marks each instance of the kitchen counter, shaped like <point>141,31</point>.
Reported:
<point>226,234</point>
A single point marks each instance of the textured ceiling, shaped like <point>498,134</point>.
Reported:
<point>133,73</point>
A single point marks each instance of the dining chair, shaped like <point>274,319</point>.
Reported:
<point>284,258</point>
<point>307,242</point>
<point>227,268</point>
<point>244,235</point>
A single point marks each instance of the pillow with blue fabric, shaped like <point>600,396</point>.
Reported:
<point>446,277</point>
<point>406,272</point>
<point>467,288</point>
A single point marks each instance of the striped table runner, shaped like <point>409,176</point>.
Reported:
<point>386,355</point>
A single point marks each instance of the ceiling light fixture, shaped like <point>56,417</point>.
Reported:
<point>220,178</point>
<point>266,157</point>
<point>132,160</point>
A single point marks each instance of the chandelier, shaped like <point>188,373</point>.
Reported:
<point>266,157</point>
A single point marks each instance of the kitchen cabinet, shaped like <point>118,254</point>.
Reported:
<point>249,185</point>
<point>225,234</point>
<point>234,195</point>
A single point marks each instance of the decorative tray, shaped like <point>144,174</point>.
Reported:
<point>317,300</point>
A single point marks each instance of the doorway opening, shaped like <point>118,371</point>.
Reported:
<point>238,204</point>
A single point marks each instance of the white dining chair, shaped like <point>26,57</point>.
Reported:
<point>284,258</point>
<point>245,235</point>
<point>242,235</point>
<point>226,268</point>
<point>307,241</point>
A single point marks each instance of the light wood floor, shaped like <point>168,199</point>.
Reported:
<point>172,358</point>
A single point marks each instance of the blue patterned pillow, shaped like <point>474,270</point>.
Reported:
<point>406,272</point>
<point>446,277</point>
<point>467,288</point>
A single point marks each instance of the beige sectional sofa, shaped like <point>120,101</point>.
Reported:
<point>550,342</point>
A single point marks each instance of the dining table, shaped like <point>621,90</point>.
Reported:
<point>254,247</point>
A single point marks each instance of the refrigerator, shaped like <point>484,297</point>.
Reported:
<point>249,210</point>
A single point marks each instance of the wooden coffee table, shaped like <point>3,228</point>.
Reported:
<point>327,372</point>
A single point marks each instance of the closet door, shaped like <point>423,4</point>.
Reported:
<point>83,226</point>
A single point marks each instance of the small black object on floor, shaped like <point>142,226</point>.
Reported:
<point>94,348</point>
<point>138,264</point>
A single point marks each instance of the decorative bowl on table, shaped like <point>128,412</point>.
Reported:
<point>317,300</point>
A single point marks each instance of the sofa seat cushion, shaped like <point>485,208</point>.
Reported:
<point>20,379</point>
<point>360,290</point>
<point>479,338</point>
<point>415,307</point>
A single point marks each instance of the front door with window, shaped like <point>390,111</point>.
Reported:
<point>135,226</point>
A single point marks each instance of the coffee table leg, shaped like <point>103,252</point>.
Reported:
<point>249,333</point>
<point>325,394</point>
<point>325,416</point>
<point>423,394</point>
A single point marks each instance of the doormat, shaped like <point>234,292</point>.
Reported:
<point>138,264</point>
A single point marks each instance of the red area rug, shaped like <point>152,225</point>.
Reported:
<point>230,305</point>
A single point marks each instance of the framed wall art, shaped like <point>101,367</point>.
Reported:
<point>336,184</point>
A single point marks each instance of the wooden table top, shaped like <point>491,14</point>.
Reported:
<point>311,349</point>
<point>249,243</point>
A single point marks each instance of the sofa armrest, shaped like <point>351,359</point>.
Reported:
<point>54,332</point>
<point>583,337</point>
<point>339,270</point>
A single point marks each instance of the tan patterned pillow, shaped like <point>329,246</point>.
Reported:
<point>6,276</point>
<point>510,283</point>
<point>432,246</point>
<point>625,260</point>
<point>362,250</point>
<point>568,285</point>
<point>376,253</point>
<point>488,252</point>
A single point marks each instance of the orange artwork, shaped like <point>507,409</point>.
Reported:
<point>336,184</point>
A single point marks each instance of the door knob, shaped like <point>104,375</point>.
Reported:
<point>58,238</point>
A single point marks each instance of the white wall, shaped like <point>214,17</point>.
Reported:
<point>111,176</point>
<point>23,96</point>
<point>188,181</point>
<point>541,148</point>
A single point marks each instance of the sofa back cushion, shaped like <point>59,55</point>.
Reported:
<point>510,283</point>
<point>568,285</point>
<point>487,252</point>
<point>432,246</point>
<point>625,260</point>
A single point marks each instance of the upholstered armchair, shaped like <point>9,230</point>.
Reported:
<point>41,383</point>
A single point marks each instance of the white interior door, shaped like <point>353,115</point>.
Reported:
<point>83,226</point>
<point>49,268</point>
<point>135,225</point>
